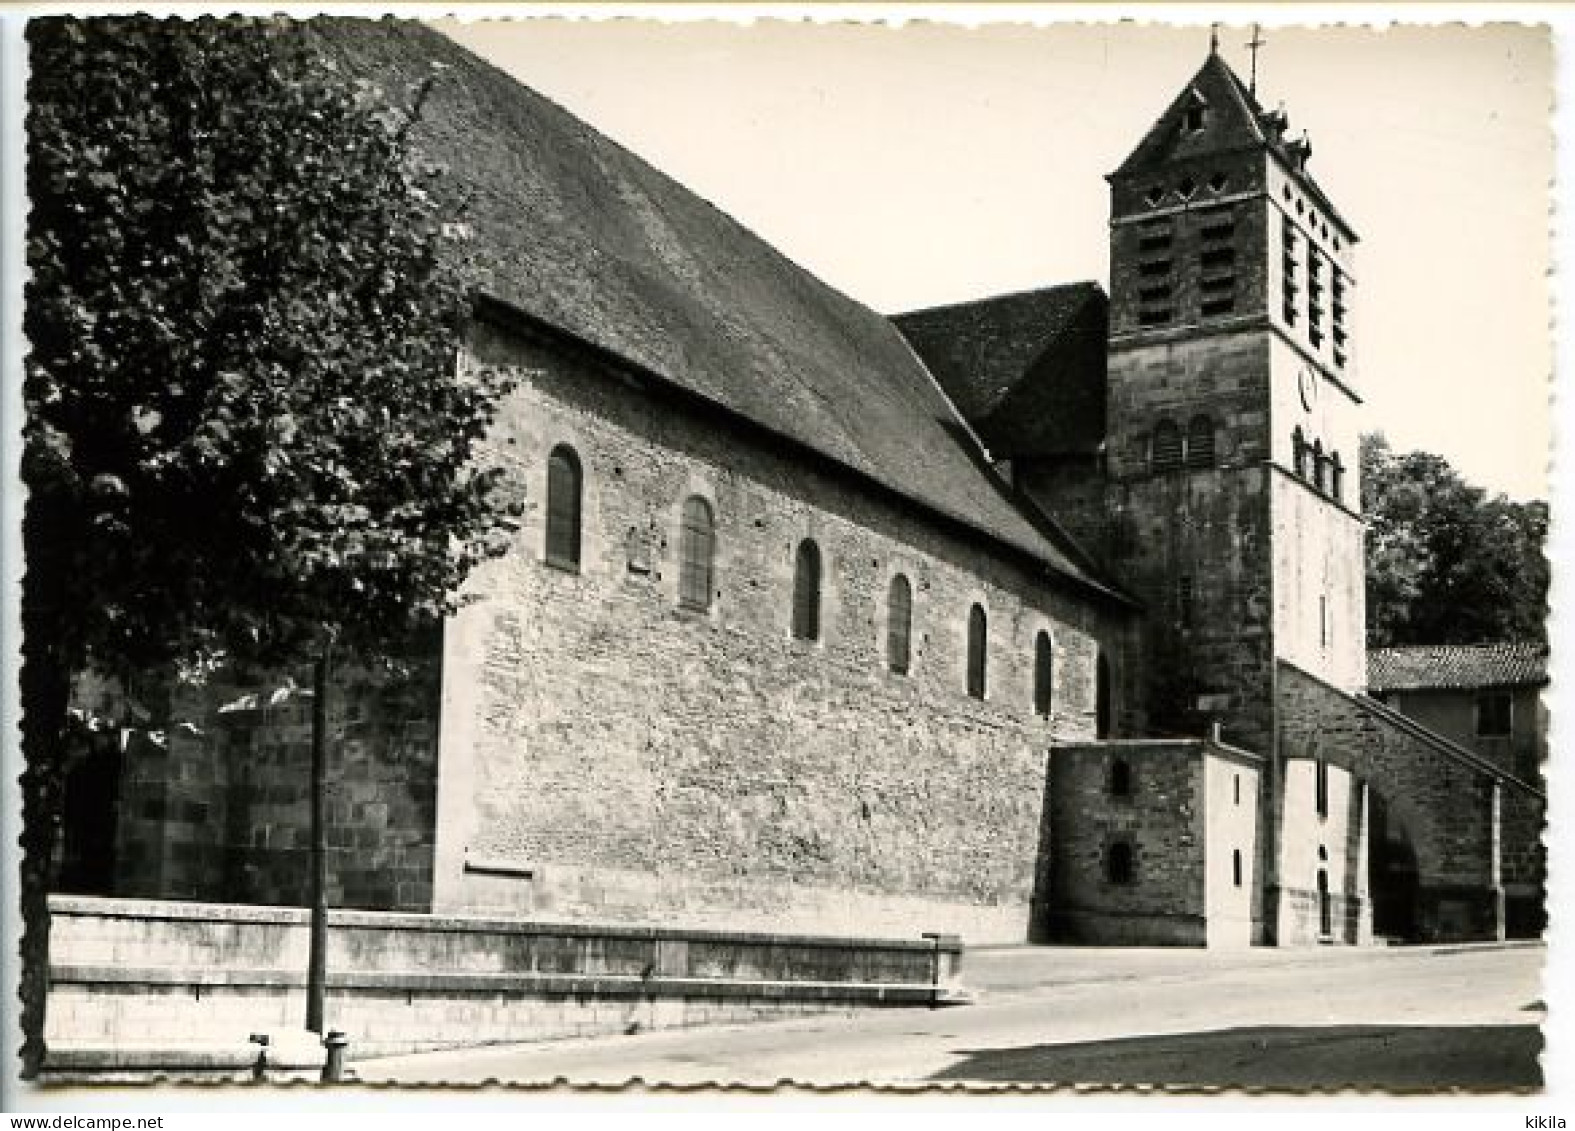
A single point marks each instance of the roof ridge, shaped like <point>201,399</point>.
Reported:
<point>1533,644</point>
<point>1092,285</point>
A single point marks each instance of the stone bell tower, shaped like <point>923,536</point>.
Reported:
<point>1232,412</point>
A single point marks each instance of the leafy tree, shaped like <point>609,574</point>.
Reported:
<point>246,431</point>
<point>1446,562</point>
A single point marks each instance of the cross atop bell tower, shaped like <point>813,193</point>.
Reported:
<point>1253,45</point>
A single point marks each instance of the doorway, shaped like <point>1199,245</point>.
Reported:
<point>1392,880</point>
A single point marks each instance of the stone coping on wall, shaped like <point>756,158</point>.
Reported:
<point>1415,730</point>
<point>1162,746</point>
<point>68,1057</point>
<point>174,910</point>
<point>532,984</point>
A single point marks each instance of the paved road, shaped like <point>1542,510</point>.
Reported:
<point>1377,1018</point>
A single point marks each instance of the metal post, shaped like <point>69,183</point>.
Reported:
<point>334,1063</point>
<point>317,955</point>
<point>260,1066</point>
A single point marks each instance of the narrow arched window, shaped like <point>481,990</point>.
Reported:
<point>1320,466</point>
<point>563,508</point>
<point>806,591</point>
<point>1235,865</point>
<point>977,631</point>
<point>1299,452</point>
<point>1044,675</point>
<point>1102,697</point>
<point>1200,442</point>
<point>1337,477</point>
<point>1118,863</point>
<point>899,624</point>
<point>1166,453</point>
<point>1120,778</point>
<point>696,554</point>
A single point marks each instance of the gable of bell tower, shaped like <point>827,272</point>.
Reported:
<point>1188,238</point>
<point>1231,414</point>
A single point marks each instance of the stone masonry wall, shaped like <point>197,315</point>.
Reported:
<point>1161,818</point>
<point>221,811</point>
<point>1443,805</point>
<point>1452,713</point>
<point>1193,544</point>
<point>609,755</point>
<point>1136,223</point>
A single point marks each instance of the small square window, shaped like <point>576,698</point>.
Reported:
<point>1118,863</point>
<point>1495,714</point>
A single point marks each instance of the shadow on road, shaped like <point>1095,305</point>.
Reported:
<point>1410,1058</point>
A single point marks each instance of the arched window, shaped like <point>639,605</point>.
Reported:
<point>806,591</point>
<point>1320,466</point>
<point>563,508</point>
<point>1118,863</point>
<point>1166,452</point>
<point>1235,865</point>
<point>1325,905</point>
<point>899,624</point>
<point>1102,697</point>
<point>1299,452</point>
<point>1120,778</point>
<point>1336,476</point>
<point>1200,442</point>
<point>1044,675</point>
<point>696,554</point>
<point>977,629</point>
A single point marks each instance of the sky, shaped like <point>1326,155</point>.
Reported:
<point>934,163</point>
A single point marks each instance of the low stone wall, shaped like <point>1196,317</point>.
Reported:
<point>139,973</point>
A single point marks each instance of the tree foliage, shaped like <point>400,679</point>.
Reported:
<point>243,414</point>
<point>1446,562</point>
<point>246,431</point>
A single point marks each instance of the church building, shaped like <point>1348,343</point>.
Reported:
<point>1035,617</point>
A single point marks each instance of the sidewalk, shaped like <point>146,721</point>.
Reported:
<point>1023,968</point>
<point>1376,1017</point>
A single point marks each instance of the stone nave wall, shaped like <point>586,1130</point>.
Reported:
<point>609,754</point>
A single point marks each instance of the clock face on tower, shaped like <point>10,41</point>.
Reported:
<point>1307,386</point>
